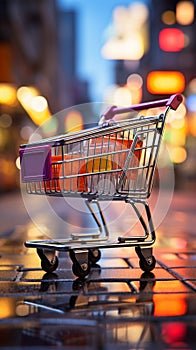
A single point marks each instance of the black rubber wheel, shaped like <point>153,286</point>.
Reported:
<point>80,271</point>
<point>49,266</point>
<point>78,284</point>
<point>149,265</point>
<point>94,255</point>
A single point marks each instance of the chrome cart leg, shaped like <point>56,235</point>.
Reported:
<point>103,233</point>
<point>49,260</point>
<point>147,261</point>
<point>80,259</point>
<point>146,222</point>
<point>143,243</point>
<point>99,219</point>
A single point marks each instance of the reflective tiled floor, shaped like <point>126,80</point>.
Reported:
<point>116,307</point>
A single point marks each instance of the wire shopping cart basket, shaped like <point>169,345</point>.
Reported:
<point>115,161</point>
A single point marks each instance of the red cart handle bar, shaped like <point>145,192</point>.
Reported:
<point>173,102</point>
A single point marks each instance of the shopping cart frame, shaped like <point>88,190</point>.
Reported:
<point>84,249</point>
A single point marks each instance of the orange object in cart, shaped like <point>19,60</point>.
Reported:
<point>65,171</point>
<point>113,152</point>
<point>122,146</point>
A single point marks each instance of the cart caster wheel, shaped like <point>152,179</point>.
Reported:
<point>80,271</point>
<point>148,264</point>
<point>50,266</point>
<point>94,255</point>
<point>78,284</point>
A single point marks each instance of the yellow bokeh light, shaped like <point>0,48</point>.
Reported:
<point>178,123</point>
<point>192,124</point>
<point>126,95</point>
<point>136,96</point>
<point>178,154</point>
<point>108,93</point>
<point>39,103</point>
<point>50,127</point>
<point>35,105</point>
<point>26,93</point>
<point>180,113</point>
<point>177,137</point>
<point>185,12</point>
<point>73,121</point>
<point>7,94</point>
<point>122,96</point>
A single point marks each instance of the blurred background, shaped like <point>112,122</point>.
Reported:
<point>55,54</point>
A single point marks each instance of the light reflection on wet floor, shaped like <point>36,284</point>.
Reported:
<point>117,306</point>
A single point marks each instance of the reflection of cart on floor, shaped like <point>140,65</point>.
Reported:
<point>91,311</point>
<point>112,161</point>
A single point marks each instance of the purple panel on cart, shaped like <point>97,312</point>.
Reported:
<point>35,163</point>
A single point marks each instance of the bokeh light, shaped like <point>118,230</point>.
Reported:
<point>128,39</point>
<point>35,105</point>
<point>39,103</point>
<point>168,17</point>
<point>7,94</point>
<point>165,82</point>
<point>178,154</point>
<point>73,121</point>
<point>185,12</point>
<point>122,96</point>
<point>5,120</point>
<point>191,103</point>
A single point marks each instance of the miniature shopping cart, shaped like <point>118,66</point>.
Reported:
<point>115,161</point>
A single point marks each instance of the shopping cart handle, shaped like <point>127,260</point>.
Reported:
<point>173,102</point>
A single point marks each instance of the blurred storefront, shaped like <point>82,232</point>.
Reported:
<point>38,71</point>
<point>159,63</point>
<point>37,74</point>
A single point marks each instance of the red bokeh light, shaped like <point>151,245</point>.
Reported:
<point>171,39</point>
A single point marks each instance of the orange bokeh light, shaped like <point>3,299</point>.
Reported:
<point>165,82</point>
<point>169,306</point>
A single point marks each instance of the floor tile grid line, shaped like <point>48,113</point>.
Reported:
<point>178,276</point>
<point>88,321</point>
